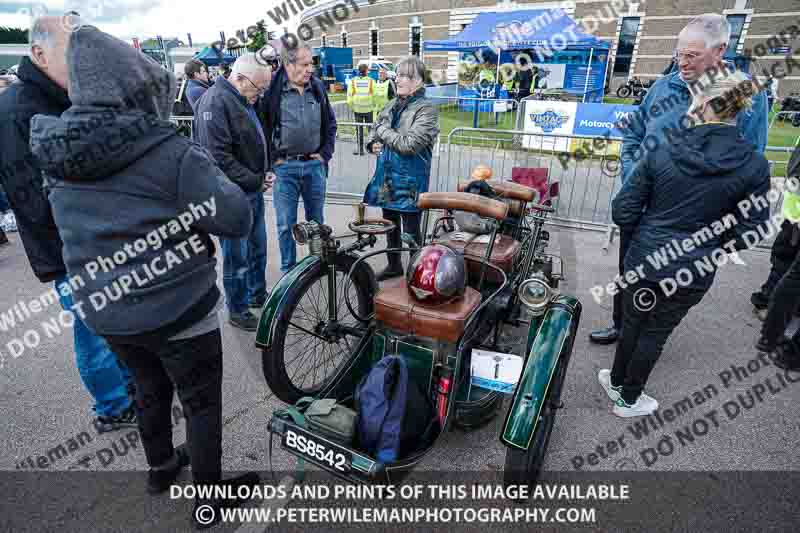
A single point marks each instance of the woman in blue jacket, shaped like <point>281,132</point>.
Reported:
<point>403,137</point>
<point>686,196</point>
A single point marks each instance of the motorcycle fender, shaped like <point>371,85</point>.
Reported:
<point>551,339</point>
<point>266,325</point>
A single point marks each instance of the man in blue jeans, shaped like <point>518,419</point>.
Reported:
<point>300,128</point>
<point>104,376</point>
<point>228,126</point>
<point>42,90</point>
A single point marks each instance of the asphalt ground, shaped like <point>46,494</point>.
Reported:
<point>44,404</point>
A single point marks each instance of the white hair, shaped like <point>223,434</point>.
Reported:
<point>41,32</point>
<point>248,65</point>
<point>47,29</point>
<point>712,27</point>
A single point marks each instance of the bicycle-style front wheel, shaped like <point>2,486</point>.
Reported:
<point>309,348</point>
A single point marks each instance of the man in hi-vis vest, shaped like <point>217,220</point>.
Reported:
<point>384,91</point>
<point>360,95</point>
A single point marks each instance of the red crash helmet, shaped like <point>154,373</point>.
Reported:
<point>437,274</point>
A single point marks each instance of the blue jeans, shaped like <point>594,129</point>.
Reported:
<point>244,269</point>
<point>103,375</point>
<point>3,201</point>
<point>296,179</point>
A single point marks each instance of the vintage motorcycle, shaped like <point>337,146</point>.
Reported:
<point>635,87</point>
<point>327,322</point>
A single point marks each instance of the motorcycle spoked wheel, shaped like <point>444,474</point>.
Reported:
<point>524,467</point>
<point>624,91</point>
<point>296,354</point>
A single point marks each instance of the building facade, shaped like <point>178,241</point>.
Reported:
<point>642,34</point>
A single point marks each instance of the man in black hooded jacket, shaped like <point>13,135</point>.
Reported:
<point>42,90</point>
<point>135,204</point>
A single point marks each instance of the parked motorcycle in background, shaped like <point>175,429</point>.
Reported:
<point>790,109</point>
<point>634,87</point>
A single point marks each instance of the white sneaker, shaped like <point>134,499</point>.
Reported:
<point>9,222</point>
<point>604,377</point>
<point>645,405</point>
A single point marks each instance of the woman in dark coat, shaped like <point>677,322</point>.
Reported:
<point>403,136</point>
<point>681,198</point>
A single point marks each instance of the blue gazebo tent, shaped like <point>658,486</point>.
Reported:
<point>545,29</point>
<point>211,57</point>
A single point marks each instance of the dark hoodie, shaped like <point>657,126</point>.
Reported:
<point>684,192</point>
<point>118,173</point>
<point>19,175</point>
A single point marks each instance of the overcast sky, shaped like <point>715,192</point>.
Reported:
<point>204,19</point>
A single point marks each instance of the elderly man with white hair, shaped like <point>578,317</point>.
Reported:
<point>227,124</point>
<point>42,90</point>
<point>699,51</point>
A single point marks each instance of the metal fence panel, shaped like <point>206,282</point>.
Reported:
<point>585,187</point>
<point>349,174</point>
<point>475,112</point>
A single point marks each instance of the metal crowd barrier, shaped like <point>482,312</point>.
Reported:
<point>480,112</point>
<point>585,186</point>
<point>184,124</point>
<point>349,174</point>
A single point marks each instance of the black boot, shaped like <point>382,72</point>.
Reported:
<point>787,356</point>
<point>395,267</point>
<point>3,238</point>
<point>394,270</point>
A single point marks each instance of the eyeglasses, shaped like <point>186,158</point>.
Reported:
<point>689,56</point>
<point>260,92</point>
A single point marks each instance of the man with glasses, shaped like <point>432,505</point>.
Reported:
<point>700,49</point>
<point>228,126</point>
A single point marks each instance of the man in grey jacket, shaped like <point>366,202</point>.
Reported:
<point>134,203</point>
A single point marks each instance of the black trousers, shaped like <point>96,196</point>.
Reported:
<point>617,304</point>
<point>783,255</point>
<point>782,303</point>
<point>367,119</point>
<point>193,367</point>
<point>405,222</point>
<point>645,330</point>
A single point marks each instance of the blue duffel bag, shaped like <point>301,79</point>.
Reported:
<point>393,411</point>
